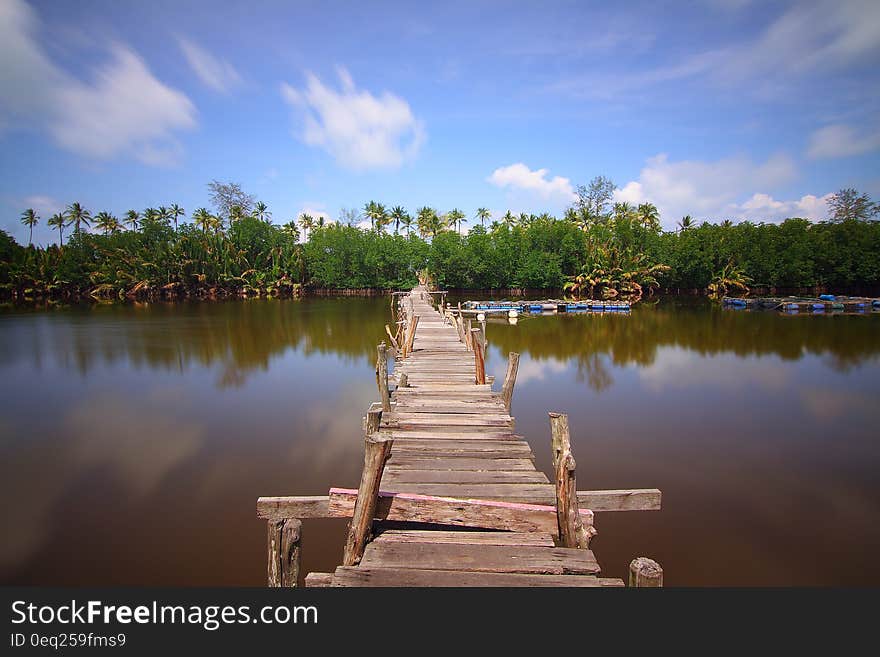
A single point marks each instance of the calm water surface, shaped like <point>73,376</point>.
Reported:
<point>135,439</point>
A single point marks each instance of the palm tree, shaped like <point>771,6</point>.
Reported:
<point>407,222</point>
<point>58,221</point>
<point>727,223</point>
<point>236,213</point>
<point>524,219</point>
<point>30,219</point>
<point>132,217</point>
<point>508,219</point>
<point>290,229</point>
<point>77,215</point>
<point>261,211</point>
<point>175,212</point>
<point>456,217</point>
<point>106,222</point>
<point>307,222</point>
<point>686,223</point>
<point>165,214</point>
<point>377,215</point>
<point>649,216</point>
<point>428,221</point>
<point>483,215</point>
<point>399,216</point>
<point>203,219</point>
<point>151,216</point>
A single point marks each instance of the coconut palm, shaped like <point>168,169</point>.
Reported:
<point>175,211</point>
<point>407,222</point>
<point>729,278</point>
<point>428,221</point>
<point>290,229</point>
<point>77,215</point>
<point>151,216</point>
<point>261,211</point>
<point>203,219</point>
<point>307,222</point>
<point>649,216</point>
<point>377,214</point>
<point>456,217</point>
<point>727,223</point>
<point>165,215</point>
<point>236,213</point>
<point>58,221</point>
<point>106,222</point>
<point>30,219</point>
<point>686,223</point>
<point>483,215</point>
<point>399,216</point>
<point>509,219</point>
<point>132,217</point>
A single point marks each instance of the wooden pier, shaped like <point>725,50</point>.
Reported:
<point>449,493</point>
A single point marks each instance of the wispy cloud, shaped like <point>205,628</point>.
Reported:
<point>214,72</point>
<point>840,140</point>
<point>360,130</point>
<point>124,109</point>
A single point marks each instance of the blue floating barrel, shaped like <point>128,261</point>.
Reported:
<point>739,303</point>
<point>860,305</point>
<point>818,306</point>
<point>535,307</point>
<point>792,306</point>
<point>826,297</point>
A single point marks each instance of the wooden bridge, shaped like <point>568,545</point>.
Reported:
<point>449,494</point>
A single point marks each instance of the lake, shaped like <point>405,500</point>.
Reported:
<point>136,438</point>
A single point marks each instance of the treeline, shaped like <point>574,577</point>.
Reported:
<point>622,251</point>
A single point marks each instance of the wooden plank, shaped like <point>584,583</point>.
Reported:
<point>407,577</point>
<point>451,463</point>
<point>532,539</point>
<point>486,514</point>
<point>278,508</point>
<point>481,558</point>
<point>455,434</point>
<point>319,580</point>
<point>409,475</point>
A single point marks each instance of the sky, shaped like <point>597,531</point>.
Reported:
<point>721,109</point>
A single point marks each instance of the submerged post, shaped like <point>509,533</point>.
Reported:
<point>376,451</point>
<point>510,378</point>
<point>479,357</point>
<point>382,377</point>
<point>571,527</point>
<point>645,573</point>
<point>284,552</point>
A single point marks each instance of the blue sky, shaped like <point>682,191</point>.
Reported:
<point>719,109</point>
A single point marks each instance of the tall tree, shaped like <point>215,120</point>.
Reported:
<point>594,197</point>
<point>398,216</point>
<point>132,217</point>
<point>290,229</point>
<point>407,223</point>
<point>176,212</point>
<point>261,211</point>
<point>58,221</point>
<point>686,223</point>
<point>649,216</point>
<point>203,219</point>
<point>225,196</point>
<point>307,222</point>
<point>509,219</point>
<point>77,215</point>
<point>483,215</point>
<point>848,205</point>
<point>30,219</point>
<point>106,222</point>
<point>456,217</point>
<point>428,221</point>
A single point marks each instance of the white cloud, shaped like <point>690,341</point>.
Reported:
<point>124,110</point>
<point>361,131</point>
<point>763,207</point>
<point>45,206</point>
<point>519,177</point>
<point>704,189</point>
<point>841,141</point>
<point>216,73</point>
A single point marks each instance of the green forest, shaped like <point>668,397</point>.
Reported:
<point>597,248</point>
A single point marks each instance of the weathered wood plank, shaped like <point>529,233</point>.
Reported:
<point>319,580</point>
<point>481,558</point>
<point>532,539</point>
<point>407,577</point>
<point>409,475</point>
<point>299,506</point>
<point>487,514</point>
<point>449,462</point>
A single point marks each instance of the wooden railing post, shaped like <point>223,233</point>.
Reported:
<point>413,325</point>
<point>284,552</point>
<point>479,357</point>
<point>377,448</point>
<point>382,377</point>
<point>469,333</point>
<point>372,420</point>
<point>571,528</point>
<point>645,573</point>
<point>510,378</point>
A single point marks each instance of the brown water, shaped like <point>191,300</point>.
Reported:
<point>135,439</point>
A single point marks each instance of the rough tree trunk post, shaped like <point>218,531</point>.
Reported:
<point>394,342</point>
<point>414,324</point>
<point>382,377</point>
<point>372,420</point>
<point>376,451</point>
<point>510,378</point>
<point>645,573</point>
<point>469,332</point>
<point>284,552</point>
<point>403,381</point>
<point>483,334</point>
<point>571,528</point>
<point>479,357</point>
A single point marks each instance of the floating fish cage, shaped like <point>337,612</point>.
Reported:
<point>540,307</point>
<point>824,303</point>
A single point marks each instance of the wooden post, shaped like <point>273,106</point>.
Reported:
<point>382,377</point>
<point>645,573</point>
<point>372,420</point>
<point>469,332</point>
<point>479,357</point>
<point>571,528</point>
<point>394,342</point>
<point>403,381</point>
<point>414,324</point>
<point>284,552</point>
<point>483,335</point>
<point>376,452</point>
<point>510,378</point>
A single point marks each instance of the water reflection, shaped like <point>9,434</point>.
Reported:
<point>135,439</point>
